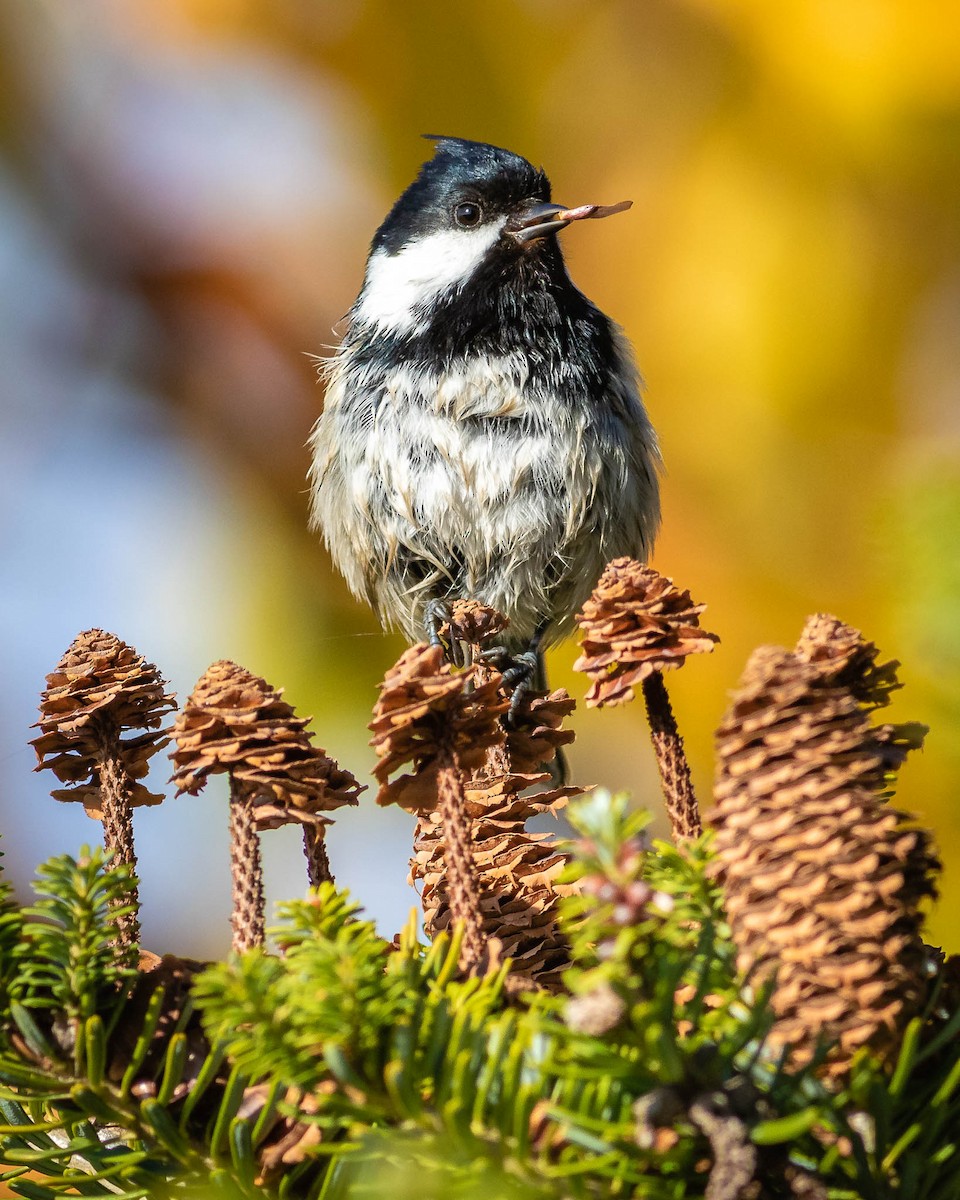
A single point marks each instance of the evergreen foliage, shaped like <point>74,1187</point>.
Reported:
<point>381,1066</point>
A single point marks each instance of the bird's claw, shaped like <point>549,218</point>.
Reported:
<point>522,672</point>
<point>496,656</point>
<point>519,675</point>
<point>436,614</point>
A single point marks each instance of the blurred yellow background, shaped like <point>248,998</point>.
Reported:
<point>187,191</point>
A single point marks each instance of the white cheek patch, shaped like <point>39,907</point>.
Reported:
<point>399,288</point>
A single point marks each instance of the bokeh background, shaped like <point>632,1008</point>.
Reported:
<point>187,190</point>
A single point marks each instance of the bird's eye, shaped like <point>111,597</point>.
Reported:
<point>467,214</point>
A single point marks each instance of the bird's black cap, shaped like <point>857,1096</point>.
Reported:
<point>459,170</point>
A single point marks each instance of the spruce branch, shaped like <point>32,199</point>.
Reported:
<point>72,961</point>
<point>346,1048</point>
<point>11,926</point>
<point>734,1155</point>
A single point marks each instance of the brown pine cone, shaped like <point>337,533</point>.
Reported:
<point>635,622</point>
<point>426,713</point>
<point>517,872</point>
<point>842,655</point>
<point>823,880</point>
<point>101,688</point>
<point>534,734</point>
<point>474,623</point>
<point>235,722</point>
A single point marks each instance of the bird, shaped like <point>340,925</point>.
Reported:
<point>483,435</point>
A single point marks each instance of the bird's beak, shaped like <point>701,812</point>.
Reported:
<point>541,220</point>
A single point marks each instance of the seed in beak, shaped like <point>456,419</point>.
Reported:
<point>542,219</point>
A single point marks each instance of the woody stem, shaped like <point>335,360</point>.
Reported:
<point>246,870</point>
<point>462,887</point>
<point>682,807</point>
<point>315,850</point>
<point>115,788</point>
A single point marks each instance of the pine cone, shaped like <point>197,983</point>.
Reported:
<point>534,734</point>
<point>635,622</point>
<point>425,711</point>
<point>842,656</point>
<point>101,688</point>
<point>474,623</point>
<point>235,722</point>
<point>517,872</point>
<point>823,880</point>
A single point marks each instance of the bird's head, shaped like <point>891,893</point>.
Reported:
<point>473,207</point>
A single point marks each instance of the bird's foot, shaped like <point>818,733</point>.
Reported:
<point>521,676</point>
<point>496,656</point>
<point>517,674</point>
<point>436,614</point>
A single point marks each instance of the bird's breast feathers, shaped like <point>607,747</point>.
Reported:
<point>440,448</point>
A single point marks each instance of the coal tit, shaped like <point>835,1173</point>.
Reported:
<point>483,435</point>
